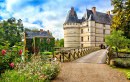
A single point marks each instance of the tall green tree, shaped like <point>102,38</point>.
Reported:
<point>116,39</point>
<point>27,29</point>
<point>121,12</point>
<point>11,30</point>
<point>61,43</point>
<point>127,19</point>
<point>35,29</point>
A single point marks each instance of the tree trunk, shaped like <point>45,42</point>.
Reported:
<point>117,51</point>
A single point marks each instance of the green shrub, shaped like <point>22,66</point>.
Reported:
<point>35,71</point>
<point>45,53</point>
<point>11,55</point>
<point>128,75</point>
<point>122,62</point>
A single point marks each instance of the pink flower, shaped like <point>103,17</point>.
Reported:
<point>20,52</point>
<point>3,52</point>
<point>12,64</point>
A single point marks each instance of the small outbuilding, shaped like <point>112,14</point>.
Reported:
<point>39,41</point>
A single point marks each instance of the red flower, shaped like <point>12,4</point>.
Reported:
<point>3,52</point>
<point>57,55</point>
<point>42,75</point>
<point>12,64</point>
<point>20,52</point>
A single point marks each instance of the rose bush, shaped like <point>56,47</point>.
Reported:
<point>33,71</point>
<point>9,56</point>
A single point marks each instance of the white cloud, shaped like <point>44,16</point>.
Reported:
<point>53,15</point>
<point>31,26</point>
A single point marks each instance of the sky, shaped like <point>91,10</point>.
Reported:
<point>48,14</point>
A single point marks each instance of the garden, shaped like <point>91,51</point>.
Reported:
<point>119,52</point>
<point>18,65</point>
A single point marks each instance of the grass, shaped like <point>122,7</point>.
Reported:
<point>126,71</point>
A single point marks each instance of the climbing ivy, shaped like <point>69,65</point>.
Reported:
<point>43,45</point>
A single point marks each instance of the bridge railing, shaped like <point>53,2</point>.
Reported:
<point>72,54</point>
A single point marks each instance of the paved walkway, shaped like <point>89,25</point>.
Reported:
<point>89,70</point>
<point>94,57</point>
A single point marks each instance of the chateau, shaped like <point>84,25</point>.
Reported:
<point>88,31</point>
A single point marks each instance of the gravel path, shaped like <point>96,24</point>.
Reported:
<point>80,71</point>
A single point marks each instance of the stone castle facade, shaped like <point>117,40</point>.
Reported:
<point>88,31</point>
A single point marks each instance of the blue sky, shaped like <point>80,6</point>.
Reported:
<point>48,14</point>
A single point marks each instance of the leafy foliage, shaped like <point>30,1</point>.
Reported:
<point>43,45</point>
<point>11,56</point>
<point>11,30</point>
<point>27,29</point>
<point>45,53</point>
<point>122,62</point>
<point>121,19</point>
<point>36,70</point>
<point>117,39</point>
<point>61,43</point>
<point>35,29</point>
<point>128,75</point>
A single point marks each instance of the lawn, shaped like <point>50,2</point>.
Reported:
<point>126,71</point>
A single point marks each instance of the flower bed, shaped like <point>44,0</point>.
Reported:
<point>36,70</point>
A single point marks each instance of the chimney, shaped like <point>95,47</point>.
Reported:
<point>41,30</point>
<point>94,10</point>
<point>108,12</point>
<point>47,31</point>
<point>72,11</point>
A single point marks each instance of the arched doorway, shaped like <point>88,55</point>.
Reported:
<point>102,46</point>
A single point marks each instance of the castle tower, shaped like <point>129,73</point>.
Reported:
<point>71,30</point>
<point>88,31</point>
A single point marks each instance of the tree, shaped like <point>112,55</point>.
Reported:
<point>116,39</point>
<point>121,19</point>
<point>35,29</point>
<point>27,29</point>
<point>127,20</point>
<point>61,43</point>
<point>11,30</point>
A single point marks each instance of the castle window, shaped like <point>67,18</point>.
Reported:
<point>103,25</point>
<point>81,39</point>
<point>41,40</point>
<point>81,30</point>
<point>103,40</point>
<point>81,45</point>
<point>103,31</point>
<point>88,38</point>
<point>88,29</point>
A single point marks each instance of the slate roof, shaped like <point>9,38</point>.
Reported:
<point>31,34</point>
<point>72,19</point>
<point>91,17</point>
<point>99,17</point>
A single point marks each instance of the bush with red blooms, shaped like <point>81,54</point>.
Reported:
<point>9,56</point>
